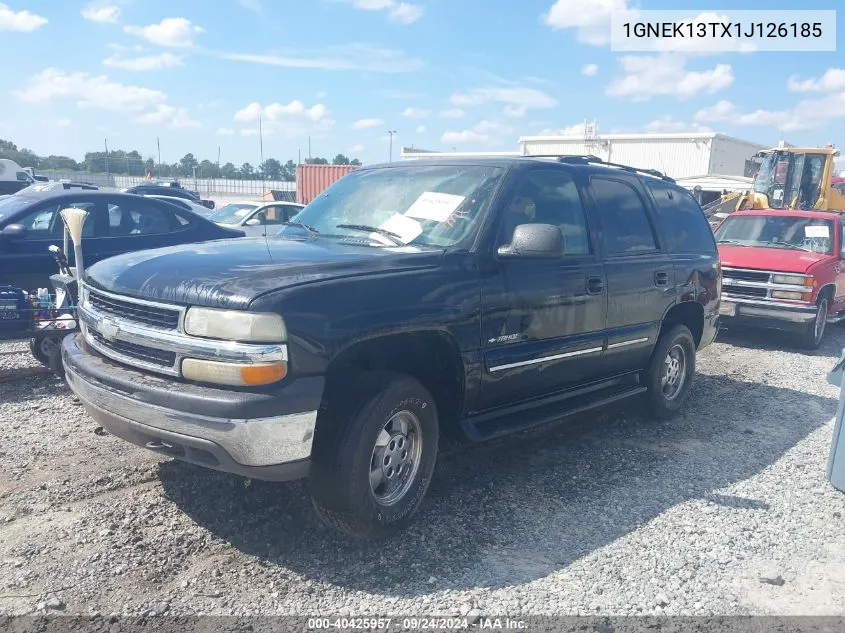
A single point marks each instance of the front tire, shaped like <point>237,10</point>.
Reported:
<point>812,337</point>
<point>371,471</point>
<point>670,372</point>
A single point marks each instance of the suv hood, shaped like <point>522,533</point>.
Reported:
<point>231,273</point>
<point>772,259</point>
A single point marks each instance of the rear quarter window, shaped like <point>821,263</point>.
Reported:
<point>681,219</point>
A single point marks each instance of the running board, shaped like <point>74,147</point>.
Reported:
<point>480,430</point>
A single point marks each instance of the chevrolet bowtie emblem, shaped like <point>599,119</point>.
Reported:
<point>108,329</point>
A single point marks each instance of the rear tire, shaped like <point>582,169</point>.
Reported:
<point>670,373</point>
<point>370,471</point>
<point>812,337</point>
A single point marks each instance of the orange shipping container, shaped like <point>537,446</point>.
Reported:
<point>312,180</point>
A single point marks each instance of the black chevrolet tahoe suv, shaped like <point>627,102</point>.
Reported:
<point>469,298</point>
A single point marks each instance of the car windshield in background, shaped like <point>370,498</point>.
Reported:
<point>232,213</point>
<point>795,233</point>
<point>434,206</point>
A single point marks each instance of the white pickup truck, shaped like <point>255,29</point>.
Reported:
<point>13,177</point>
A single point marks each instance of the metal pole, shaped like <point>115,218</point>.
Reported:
<point>108,174</point>
<point>391,133</point>
<point>158,145</point>
<point>309,148</point>
<point>261,141</point>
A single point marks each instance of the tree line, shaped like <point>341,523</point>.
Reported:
<point>120,162</point>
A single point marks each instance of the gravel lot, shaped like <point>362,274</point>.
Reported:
<point>724,510</point>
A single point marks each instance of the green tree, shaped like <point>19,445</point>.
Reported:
<point>229,171</point>
<point>289,171</point>
<point>340,159</point>
<point>207,169</point>
<point>187,164</point>
<point>355,161</point>
<point>271,169</point>
<point>316,161</point>
<point>247,171</point>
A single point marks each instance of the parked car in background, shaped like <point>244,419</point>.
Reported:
<point>473,298</point>
<point>13,177</point>
<point>173,189</point>
<point>256,219</point>
<point>118,223</point>
<point>184,203</point>
<point>783,269</point>
<point>57,185</point>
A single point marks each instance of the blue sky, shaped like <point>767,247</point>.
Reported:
<point>462,74</point>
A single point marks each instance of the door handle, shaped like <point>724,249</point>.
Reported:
<point>661,278</point>
<point>595,285</point>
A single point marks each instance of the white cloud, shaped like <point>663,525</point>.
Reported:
<point>420,129</point>
<point>572,130</point>
<point>365,124</point>
<point>356,149</point>
<point>22,21</point>
<point>400,12</point>
<point>89,91</point>
<point>415,113</point>
<point>516,112</point>
<point>144,63</point>
<point>518,97</point>
<point>452,113</point>
<point>292,119</point>
<point>589,18</point>
<point>177,118</point>
<point>103,13</point>
<point>804,115</point>
<point>351,57</point>
<point>483,133</point>
<point>667,125</point>
<point>666,74</point>
<point>589,70</point>
<point>63,122</point>
<point>177,32</point>
<point>833,80</point>
<point>225,131</point>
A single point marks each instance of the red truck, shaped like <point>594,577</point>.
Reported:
<point>783,269</point>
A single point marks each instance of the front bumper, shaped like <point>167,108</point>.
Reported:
<point>775,314</point>
<point>257,435</point>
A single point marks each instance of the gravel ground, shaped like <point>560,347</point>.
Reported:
<point>724,510</point>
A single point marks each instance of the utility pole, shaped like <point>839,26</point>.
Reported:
<point>309,148</point>
<point>108,173</point>
<point>158,145</point>
<point>391,133</point>
<point>218,161</point>
<point>261,141</point>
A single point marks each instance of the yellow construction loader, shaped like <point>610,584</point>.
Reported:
<point>788,178</point>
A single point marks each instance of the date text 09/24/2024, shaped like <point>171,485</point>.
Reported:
<point>415,623</point>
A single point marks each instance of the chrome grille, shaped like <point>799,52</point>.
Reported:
<point>138,352</point>
<point>145,313</point>
<point>746,275</point>
<point>745,291</point>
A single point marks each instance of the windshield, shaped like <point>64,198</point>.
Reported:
<point>11,205</point>
<point>771,178</point>
<point>435,206</point>
<point>232,213</point>
<point>795,233</point>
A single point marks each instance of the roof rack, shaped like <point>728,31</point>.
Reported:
<point>584,159</point>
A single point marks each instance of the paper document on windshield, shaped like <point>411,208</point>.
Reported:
<point>406,228</point>
<point>817,231</point>
<point>434,206</point>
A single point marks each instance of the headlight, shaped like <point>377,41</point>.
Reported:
<point>793,280</point>
<point>792,296</point>
<point>235,325</point>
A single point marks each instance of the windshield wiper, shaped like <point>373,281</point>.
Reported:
<point>735,242</point>
<point>301,225</point>
<point>393,237</point>
<point>789,245</point>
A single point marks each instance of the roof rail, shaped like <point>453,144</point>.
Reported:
<point>584,159</point>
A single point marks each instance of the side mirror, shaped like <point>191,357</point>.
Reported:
<point>13,232</point>
<point>252,222</point>
<point>534,241</point>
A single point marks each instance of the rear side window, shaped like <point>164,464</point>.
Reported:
<point>684,226</point>
<point>626,228</point>
<point>137,219</point>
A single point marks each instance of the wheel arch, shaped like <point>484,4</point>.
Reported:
<point>687,313</point>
